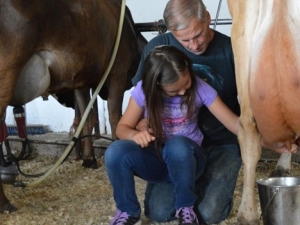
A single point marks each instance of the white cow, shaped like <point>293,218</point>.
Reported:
<point>266,45</point>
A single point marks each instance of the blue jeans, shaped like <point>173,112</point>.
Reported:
<point>214,189</point>
<point>182,162</point>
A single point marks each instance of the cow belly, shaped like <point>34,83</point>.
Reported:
<point>275,83</point>
<point>276,111</point>
<point>275,74</point>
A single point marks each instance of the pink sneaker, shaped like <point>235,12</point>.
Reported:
<point>186,216</point>
<point>122,218</point>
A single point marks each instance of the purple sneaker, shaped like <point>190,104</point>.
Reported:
<point>186,216</point>
<point>122,218</point>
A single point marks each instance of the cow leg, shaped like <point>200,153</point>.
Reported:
<point>5,205</point>
<point>78,147</point>
<point>114,105</point>
<point>3,136</point>
<point>251,151</point>
<point>250,144</point>
<point>88,155</point>
<point>283,166</point>
<point>115,114</point>
<point>242,31</point>
<point>284,163</point>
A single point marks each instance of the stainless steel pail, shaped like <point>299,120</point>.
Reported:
<point>280,200</point>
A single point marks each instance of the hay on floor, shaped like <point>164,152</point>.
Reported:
<point>74,195</point>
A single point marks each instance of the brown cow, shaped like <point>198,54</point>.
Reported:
<point>53,46</point>
<point>266,50</point>
<point>56,46</point>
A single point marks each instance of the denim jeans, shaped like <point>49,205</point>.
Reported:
<point>214,189</point>
<point>182,162</point>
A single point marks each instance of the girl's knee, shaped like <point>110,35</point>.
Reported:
<point>179,146</point>
<point>178,140</point>
<point>113,150</point>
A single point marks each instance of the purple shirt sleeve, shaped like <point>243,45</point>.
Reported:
<point>206,95</point>
<point>138,95</point>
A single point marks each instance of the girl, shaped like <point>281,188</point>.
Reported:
<point>169,96</point>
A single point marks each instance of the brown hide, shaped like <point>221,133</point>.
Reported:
<point>70,43</point>
<point>266,49</point>
<point>74,38</point>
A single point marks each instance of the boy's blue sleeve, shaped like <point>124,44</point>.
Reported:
<point>138,75</point>
<point>158,40</point>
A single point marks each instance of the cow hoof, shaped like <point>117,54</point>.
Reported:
<point>75,158</point>
<point>7,208</point>
<point>90,163</point>
<point>280,172</point>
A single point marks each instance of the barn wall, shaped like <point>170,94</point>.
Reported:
<point>57,118</point>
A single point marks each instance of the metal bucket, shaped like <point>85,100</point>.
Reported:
<point>280,200</point>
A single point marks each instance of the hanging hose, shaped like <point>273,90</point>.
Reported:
<point>85,115</point>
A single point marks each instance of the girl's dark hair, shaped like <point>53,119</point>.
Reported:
<point>165,65</point>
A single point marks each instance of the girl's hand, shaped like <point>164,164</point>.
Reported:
<point>143,125</point>
<point>143,138</point>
